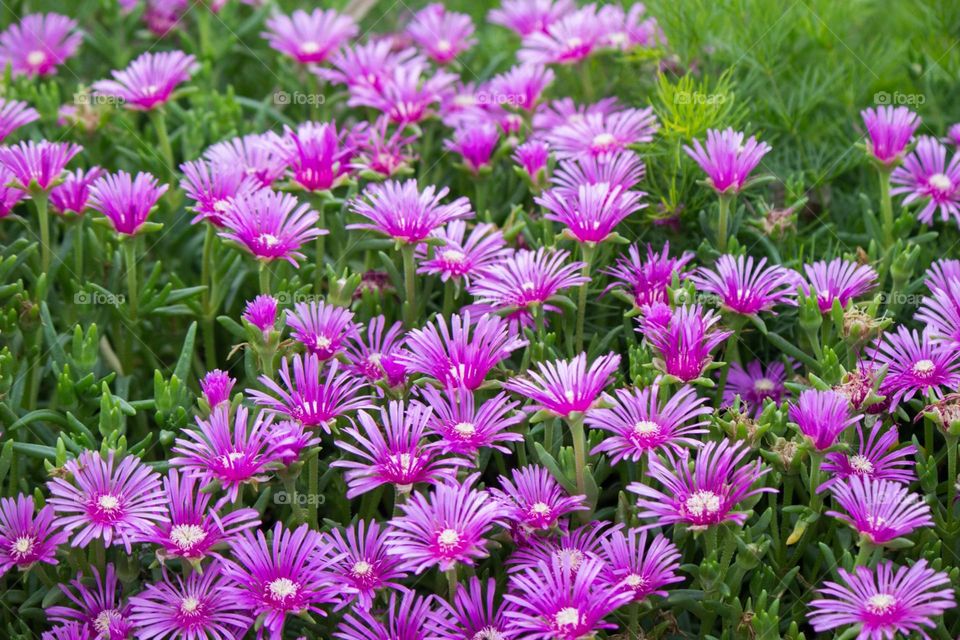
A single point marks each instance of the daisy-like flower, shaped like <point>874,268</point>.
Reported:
<point>39,43</point>
<point>69,631</point>
<point>466,426</point>
<point>638,423</point>
<point>443,35</point>
<point>534,500</point>
<point>309,399</point>
<point>940,273</point>
<point>564,111</point>
<point>381,152</point>
<point>13,115</point>
<point>125,200</point>
<point>822,416</point>
<point>149,81</point>
<point>570,39</point>
<point>115,500</point>
<point>839,280</point>
<point>917,363</point>
<point>444,528</point>
<point>258,156</point>
<point>940,311</point>
<point>392,450</point>
<point>884,602</point>
<point>366,64</point>
<point>261,312</point>
<point>755,384</point>
<point>532,156</point>
<point>926,178</point>
<point>706,495</point>
<point>407,95</point>
<point>320,327</point>
<point>878,456</point>
<point>623,169</point>
<point>73,194</point>
<point>309,38</point>
<point>520,87</point>
<point>684,340</point>
<point>316,154</point>
<point>555,601</point>
<point>727,159</point>
<point>9,196</point>
<point>458,258</point>
<point>627,30</point>
<point>194,528</point>
<point>881,510</point>
<point>376,357</point>
<point>229,454</point>
<point>205,605</point>
<point>406,214</point>
<point>288,575</point>
<point>211,189</point>
<point>526,17</point>
<point>591,215</point>
<point>37,165</point>
<point>583,543</point>
<point>216,386</point>
<point>890,129</point>
<point>747,287</point>
<point>99,610</point>
<point>271,225</point>
<point>364,567</point>
<point>637,568</point>
<point>603,135</point>
<point>408,617</point>
<point>648,279</point>
<point>563,387</point>
<point>526,279</point>
<point>27,535</point>
<point>476,612</point>
<point>475,144</point>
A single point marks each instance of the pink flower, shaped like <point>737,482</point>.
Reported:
<point>100,611</point>
<point>271,225</point>
<point>755,384</point>
<point>475,144</point>
<point>442,34</point>
<point>149,81</point>
<point>527,278</point>
<point>532,156</point>
<point>521,87</point>
<point>592,214</point>
<point>636,568</point>
<point>602,135</point>
<point>255,155</point>
<point>916,363</point>
<point>926,178</point>
<point>622,169</point>
<point>368,64</point>
<point>216,386</point>
<point>647,279</point>
<point>73,194</point>
<point>526,17</point>
<point>321,327</point>
<point>569,39</point>
<point>37,165</point>
<point>365,567</point>
<point>727,159</point>
<point>563,387</point>
<point>27,536</point>
<point>39,43</point>
<point>881,510</point>
<point>746,287</point>
<point>458,258</point>
<point>317,156</point>
<point>890,130</point>
<point>406,95</point>
<point>406,214</point>
<point>212,188</point>
<point>534,500</point>
<point>309,38</point>
<point>838,280</point>
<point>377,357</point>
<point>877,456</point>
<point>261,312</point>
<point>466,425</point>
<point>822,416</point>
<point>684,340</point>
<point>126,201</point>
<point>13,115</point>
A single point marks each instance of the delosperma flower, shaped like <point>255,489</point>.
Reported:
<point>706,495</point>
<point>310,397</point>
<point>563,387</point>
<point>940,312</point>
<point>443,35</point>
<point>629,29</point>
<point>216,386</point>
<point>822,416</point>
<point>638,423</point>
<point>309,38</point>
<point>258,156</point>
<point>582,543</point>
<point>212,189</point>
<point>533,500</point>
<point>99,610</point>
<point>746,286</point>
<point>475,144</point>
<point>520,87</point>
<point>476,612</point>
<point>570,39</point>
<point>68,631</point>
<point>405,213</point>
<point>149,81</point>
<point>443,528</point>
<point>376,358</point>
<point>366,63</point>
<point>563,111</point>
<point>10,196</point>
<point>916,364</point>
<point>755,384</point>
<point>287,576</point>
<point>530,16</point>
<point>838,280</point>
<point>317,155</point>
<point>727,159</point>
<point>638,568</point>
<point>390,450</point>
<point>647,279</point>
<point>73,194</point>
<point>883,602</point>
<point>624,169</point>
<point>526,279</point>
<point>685,341</point>
<point>115,500</point>
<point>271,225</point>
<point>261,312</point>
<point>205,605</point>
<point>466,425</point>
<point>408,616</point>
<point>532,156</point>
<point>880,510</point>
<point>877,456</point>
<point>27,536</point>
<point>406,95</point>
<point>15,114</point>
<point>365,567</point>
<point>890,130</point>
<point>39,43</point>
<point>321,327</point>
<point>926,178</point>
<point>460,257</point>
<point>37,165</point>
<point>379,151</point>
<point>602,135</point>
<point>125,200</point>
<point>593,212</point>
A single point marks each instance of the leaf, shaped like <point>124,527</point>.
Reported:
<point>182,370</point>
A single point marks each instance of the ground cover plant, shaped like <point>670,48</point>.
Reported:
<point>478,320</point>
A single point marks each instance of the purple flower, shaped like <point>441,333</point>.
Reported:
<point>458,258</point>
<point>68,631</point>
<point>476,612</point>
<point>13,115</point>
<point>746,287</point>
<point>406,214</point>
<point>465,427</point>
<point>126,201</point>
<point>212,188</point>
<point>623,169</point>
<point>878,456</point>
<point>39,43</point>
<point>638,423</point>
<point>883,602</point>
<point>627,30</point>
<point>99,610</point>
<point>377,357</point>
<point>822,416</point>
<point>940,312</point>
<point>685,341</point>
<point>442,34</point>
<point>940,273</point>
<point>309,38</point>
<point>445,528</point>
<point>381,152</point>
<point>575,546</point>
<point>521,86</point>
<point>256,155</point>
<point>727,159</point>
<point>316,154</point>
<point>527,278</point>
<point>953,134</point>
<point>73,194</point>
<point>602,135</point>
<point>563,387</point>
<point>216,386</point>
<point>271,225</point>
<point>534,500</point>
<point>27,535</point>
<point>705,496</point>
<point>261,312</point>
<point>925,177</point>
<point>569,39</point>
<point>10,196</point>
<point>755,384</point>
<point>368,64</point>
<point>590,215</point>
<point>405,95</point>
<point>408,617</point>
<point>475,144</point>
<point>890,130</point>
<point>838,280</point>
<point>149,81</point>
<point>532,156</point>
<point>916,363</point>
<point>648,279</point>
<point>364,567</point>
<point>881,510</point>
<point>636,568</point>
<point>526,17</point>
<point>564,111</point>
<point>117,502</point>
<point>322,328</point>
<point>37,165</point>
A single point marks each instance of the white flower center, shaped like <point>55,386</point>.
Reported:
<point>22,546</point>
<point>104,618</point>
<point>309,47</point>
<point>282,588</point>
<point>186,536</point>
<point>323,342</point>
<point>36,58</point>
<point>444,46</point>
<point>604,140</point>
<point>268,239</point>
<point>923,367</point>
<point>635,580</point>
<point>940,182</point>
<point>465,429</point>
<point>703,503</point>
<point>448,538</point>
<point>566,617</point>
<point>404,461</point>
<point>108,502</point>
<point>574,557</point>
<point>487,633</point>
<point>763,385</point>
<point>540,508</point>
<point>221,206</point>
<point>646,428</point>
<point>189,605</point>
<point>880,603</point>
<point>453,255</point>
<point>361,568</point>
<point>574,42</point>
<point>860,464</point>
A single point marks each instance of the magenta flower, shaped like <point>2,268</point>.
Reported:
<point>73,194</point>
<point>216,386</point>
<point>526,17</point>
<point>881,510</point>
<point>940,273</point>
<point>377,357</point>
<point>288,575</point>
<point>37,165</point>
<point>890,130</point>
<point>392,450</point>
<point>953,134</point>
<point>125,200</point>
<point>563,387</point>
<point>442,34</point>
<point>100,610</point>
<point>520,87</point>
<point>574,546</point>
<point>940,312</point>
<point>684,340</point>
<point>368,64</point>
<point>256,155</point>
<point>755,384</point>
<point>149,81</point>
<point>570,39</point>
<point>13,115</point>
<point>705,496</point>
<point>406,96</point>
<point>564,111</point>
<point>205,605</point>
<point>627,30</point>
<point>68,631</point>
<point>556,601</point>
<point>727,159</point>
<point>648,279</point>
<point>406,214</point>
<point>474,143</point>
<point>878,456</point>
<point>116,501</point>
<point>636,568</point>
<point>602,135</point>
<point>534,500</point>
<point>746,287</point>
<point>271,225</point>
<point>10,196</point>
<point>623,169</point>
<point>292,438</point>
<point>884,602</point>
<point>445,528</point>
<point>458,258</point>
<point>838,280</point>
<point>466,426</point>
<point>381,152</point>
<point>532,156</point>
<point>926,178</point>
<point>364,567</point>
<point>320,327</point>
<point>822,416</point>
<point>261,312</point>
<point>309,399</point>
<point>408,616</point>
<point>309,38</point>
<point>638,423</point>
<point>591,214</point>
<point>27,535</point>
<point>525,279</point>
<point>476,612</point>
<point>317,156</point>
<point>39,43</point>
<point>211,189</point>
<point>916,363</point>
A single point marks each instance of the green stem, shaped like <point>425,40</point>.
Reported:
<point>951,477</point>
<point>816,458</point>
<point>863,554</point>
<point>886,205</point>
<point>163,139</point>
<point>130,260</point>
<point>410,285</point>
<point>723,222</point>
<point>579,453</point>
<point>587,251</point>
<point>449,296</point>
<point>452,583</point>
<point>208,279</point>
<point>320,247</point>
<point>43,215</point>
<point>313,484</point>
<point>78,250</point>
<point>264,277</point>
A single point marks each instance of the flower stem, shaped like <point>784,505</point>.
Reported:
<point>452,582</point>
<point>863,554</point>
<point>130,260</point>
<point>209,280</point>
<point>163,139</point>
<point>723,223</point>
<point>320,246</point>
<point>313,484</point>
<point>951,476</point>
<point>579,452</point>
<point>410,284</point>
<point>264,278</point>
<point>43,215</point>
<point>587,252</point>
<point>886,206</point>
<point>78,247</point>
<point>816,458</point>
